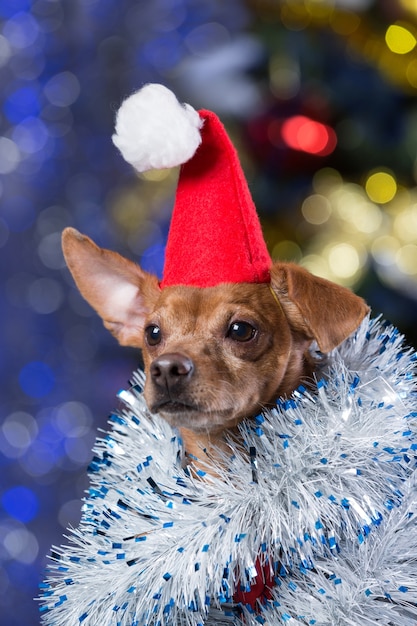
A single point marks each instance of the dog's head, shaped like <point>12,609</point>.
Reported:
<point>218,354</point>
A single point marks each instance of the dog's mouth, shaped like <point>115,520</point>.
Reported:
<point>185,414</point>
<point>174,406</point>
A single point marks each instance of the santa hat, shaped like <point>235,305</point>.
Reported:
<point>215,235</point>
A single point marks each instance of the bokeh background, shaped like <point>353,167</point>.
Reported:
<point>319,96</point>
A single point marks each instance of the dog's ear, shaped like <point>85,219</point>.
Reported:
<point>318,308</point>
<point>119,290</point>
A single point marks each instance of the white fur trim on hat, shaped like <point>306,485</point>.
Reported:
<point>155,131</point>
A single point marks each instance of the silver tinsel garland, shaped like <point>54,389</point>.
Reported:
<point>322,495</point>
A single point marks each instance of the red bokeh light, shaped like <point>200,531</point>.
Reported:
<point>302,133</point>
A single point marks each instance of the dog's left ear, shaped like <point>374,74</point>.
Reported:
<point>318,308</point>
<point>120,291</point>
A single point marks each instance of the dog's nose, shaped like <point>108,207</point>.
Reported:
<point>169,369</point>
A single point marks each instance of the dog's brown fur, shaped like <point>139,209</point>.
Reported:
<point>216,355</point>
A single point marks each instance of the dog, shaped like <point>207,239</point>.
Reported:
<point>214,356</point>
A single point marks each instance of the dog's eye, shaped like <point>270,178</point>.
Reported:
<point>241,331</point>
<point>153,334</point>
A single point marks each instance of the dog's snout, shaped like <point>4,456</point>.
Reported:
<point>169,369</point>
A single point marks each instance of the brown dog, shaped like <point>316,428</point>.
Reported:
<point>214,355</point>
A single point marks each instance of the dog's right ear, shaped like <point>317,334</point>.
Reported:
<point>118,289</point>
<point>319,308</point>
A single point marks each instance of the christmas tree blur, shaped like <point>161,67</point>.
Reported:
<point>333,154</point>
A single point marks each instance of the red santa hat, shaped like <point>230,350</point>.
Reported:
<point>215,235</point>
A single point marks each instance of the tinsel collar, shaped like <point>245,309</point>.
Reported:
<point>322,494</point>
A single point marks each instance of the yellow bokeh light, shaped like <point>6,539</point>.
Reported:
<point>156,176</point>
<point>355,209</point>
<point>381,187</point>
<point>384,250</point>
<point>316,209</point>
<point>128,208</point>
<point>284,76</point>
<point>294,16</point>
<point>345,22</point>
<point>368,218</point>
<point>411,73</point>
<point>409,5</point>
<point>287,251</point>
<point>326,179</point>
<point>315,264</point>
<point>344,260</point>
<point>399,39</point>
<point>319,9</point>
<point>406,259</point>
<point>405,224</point>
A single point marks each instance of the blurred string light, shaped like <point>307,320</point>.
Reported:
<point>21,503</point>
<point>19,543</point>
<point>36,379</point>
<point>348,227</point>
<point>390,48</point>
<point>302,133</point>
<point>374,223</point>
<point>39,442</point>
<point>381,187</point>
<point>18,432</point>
<point>139,211</point>
<point>36,121</point>
<point>409,5</point>
<point>399,39</point>
<point>284,76</point>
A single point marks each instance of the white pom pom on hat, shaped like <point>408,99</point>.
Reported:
<point>155,131</point>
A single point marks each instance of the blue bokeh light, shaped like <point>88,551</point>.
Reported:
<point>152,260</point>
<point>36,379</point>
<point>164,52</point>
<point>23,102</point>
<point>21,503</point>
<point>8,8</point>
<point>31,135</point>
<point>19,213</point>
<point>22,30</point>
